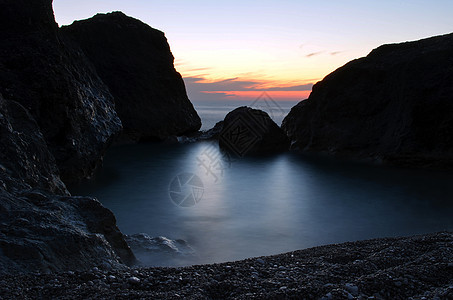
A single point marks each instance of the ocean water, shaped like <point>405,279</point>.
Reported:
<point>212,112</point>
<point>227,209</point>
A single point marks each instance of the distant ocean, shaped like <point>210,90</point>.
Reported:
<point>213,112</point>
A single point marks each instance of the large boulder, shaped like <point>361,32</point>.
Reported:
<point>135,61</point>
<point>42,228</point>
<point>56,83</point>
<point>248,131</point>
<point>396,104</point>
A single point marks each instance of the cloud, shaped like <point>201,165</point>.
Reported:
<point>196,70</point>
<point>236,84</point>
<point>199,88</point>
<point>313,54</point>
<point>301,87</point>
<point>336,52</point>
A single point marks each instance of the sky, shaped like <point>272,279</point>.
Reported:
<point>236,50</point>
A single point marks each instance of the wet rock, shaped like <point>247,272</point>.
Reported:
<point>210,134</point>
<point>248,131</point>
<point>59,235</point>
<point>134,280</point>
<point>143,242</point>
<point>150,250</point>
<point>136,63</point>
<point>393,105</point>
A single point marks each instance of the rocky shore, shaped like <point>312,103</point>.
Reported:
<point>63,102</point>
<point>418,267</point>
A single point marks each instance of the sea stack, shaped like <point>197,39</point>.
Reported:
<point>248,131</point>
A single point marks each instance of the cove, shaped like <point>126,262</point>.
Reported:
<point>265,205</point>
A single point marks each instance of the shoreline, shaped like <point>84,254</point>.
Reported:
<point>418,266</point>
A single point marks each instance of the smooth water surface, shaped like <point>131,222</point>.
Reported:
<point>212,112</point>
<point>269,205</point>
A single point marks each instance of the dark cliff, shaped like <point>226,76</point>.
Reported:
<point>57,118</point>
<point>136,63</point>
<point>396,104</point>
<point>42,228</point>
<point>57,84</point>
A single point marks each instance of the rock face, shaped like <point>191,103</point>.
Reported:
<point>57,117</point>
<point>57,84</point>
<point>41,226</point>
<point>25,160</point>
<point>135,61</point>
<point>396,104</point>
<point>248,131</point>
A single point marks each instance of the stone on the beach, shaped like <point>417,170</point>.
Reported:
<point>133,280</point>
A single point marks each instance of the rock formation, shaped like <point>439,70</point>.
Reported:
<point>203,135</point>
<point>135,61</point>
<point>247,131</point>
<point>57,118</point>
<point>57,84</point>
<point>396,104</point>
<point>41,226</point>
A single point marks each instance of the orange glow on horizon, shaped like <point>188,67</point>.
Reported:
<point>275,95</point>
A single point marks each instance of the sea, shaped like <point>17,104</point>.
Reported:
<point>196,205</point>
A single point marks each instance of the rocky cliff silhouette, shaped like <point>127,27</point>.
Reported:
<point>58,117</point>
<point>395,105</point>
<point>135,61</point>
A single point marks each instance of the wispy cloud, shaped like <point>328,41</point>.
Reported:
<point>196,69</point>
<point>314,54</point>
<point>199,88</point>
<point>236,84</point>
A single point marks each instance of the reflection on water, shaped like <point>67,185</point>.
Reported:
<point>266,205</point>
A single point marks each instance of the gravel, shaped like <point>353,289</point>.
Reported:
<point>418,267</point>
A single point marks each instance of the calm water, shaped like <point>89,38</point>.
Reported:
<point>262,206</point>
<point>212,112</point>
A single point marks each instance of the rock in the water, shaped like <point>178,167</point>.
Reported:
<point>143,242</point>
<point>205,135</point>
<point>56,83</point>
<point>248,131</point>
<point>135,61</point>
<point>150,250</point>
<point>396,104</point>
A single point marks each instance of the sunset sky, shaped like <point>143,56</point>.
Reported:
<point>238,49</point>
